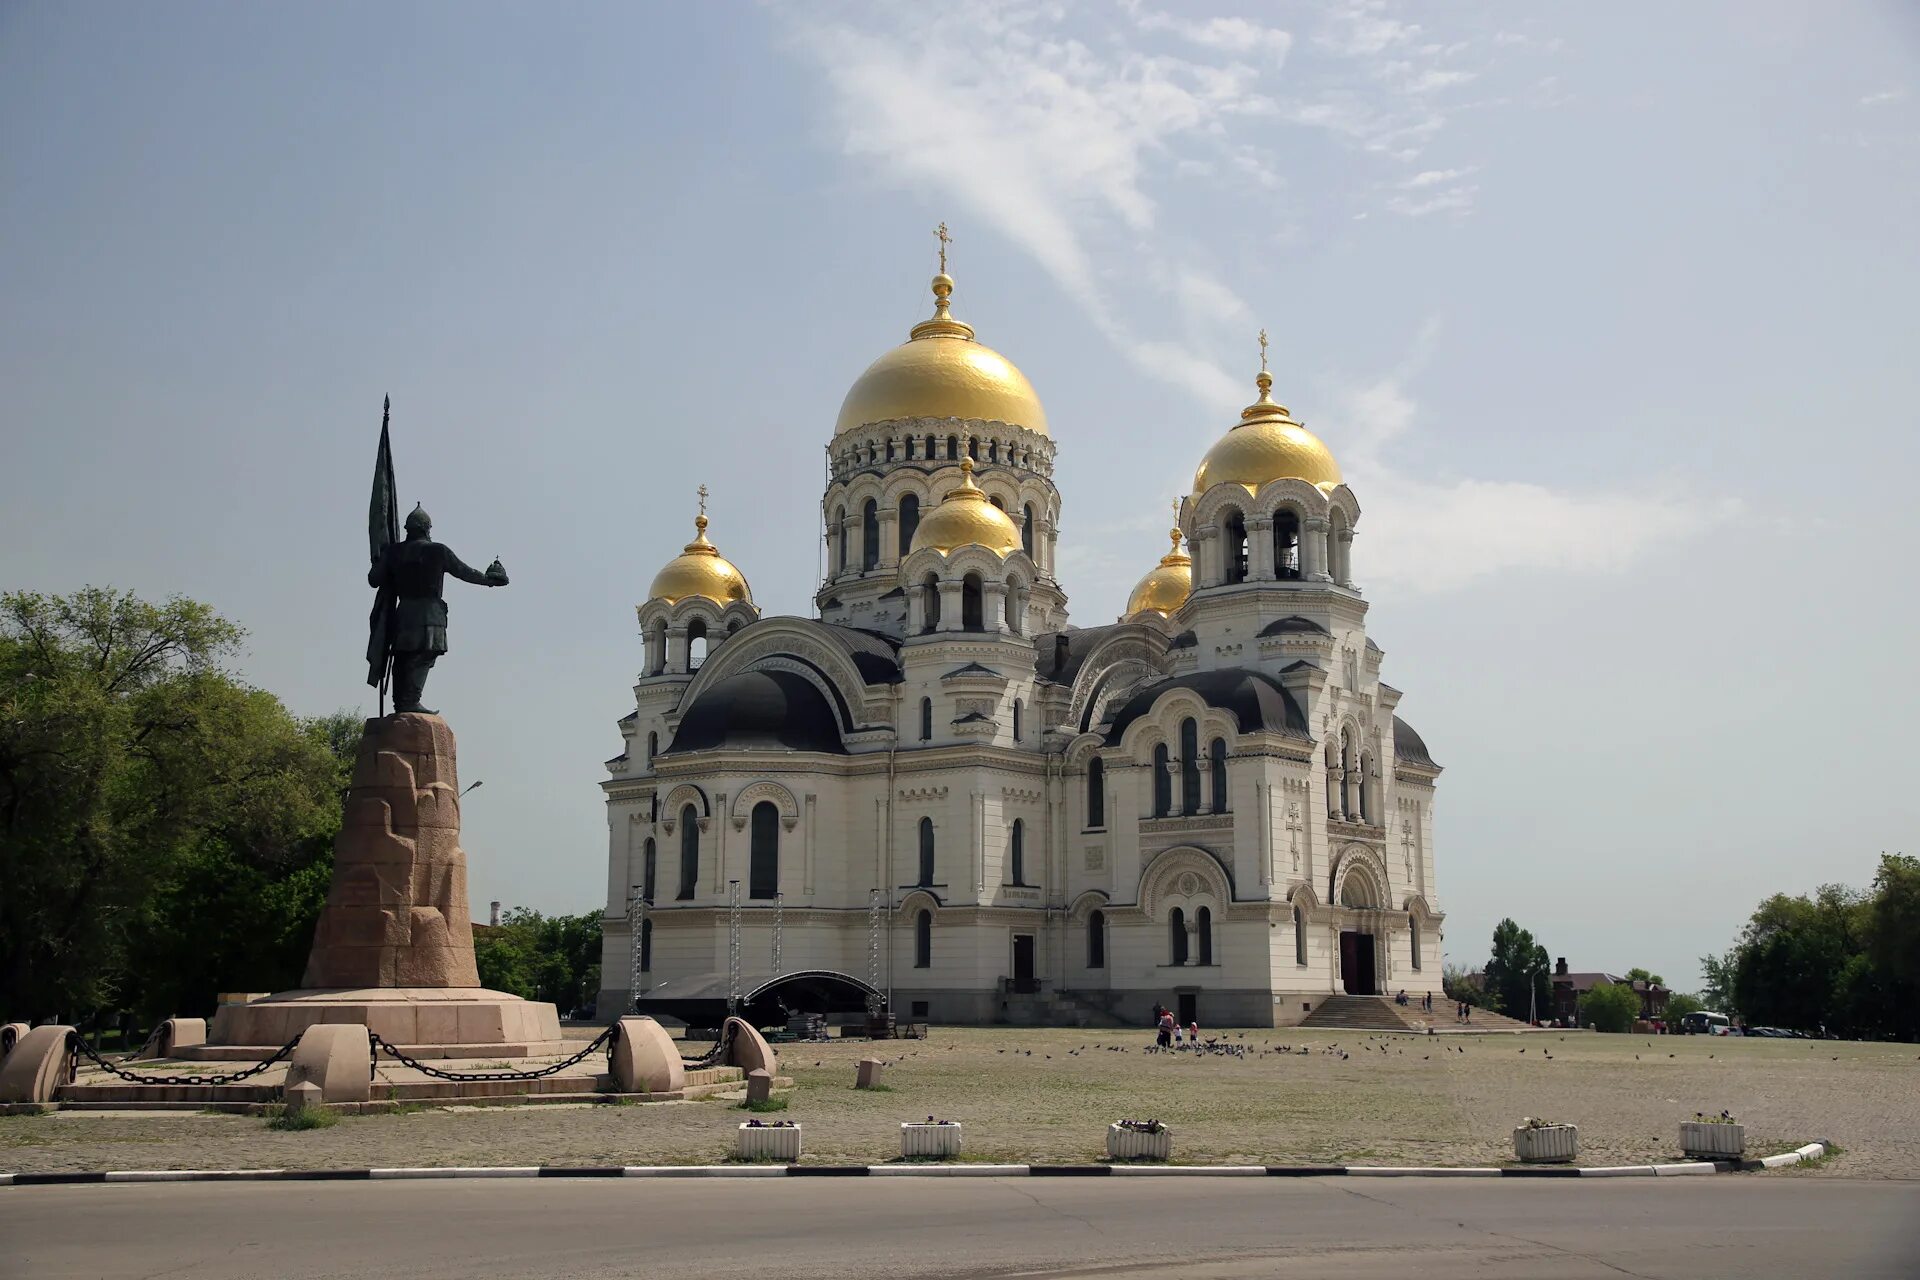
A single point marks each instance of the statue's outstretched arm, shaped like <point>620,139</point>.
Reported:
<point>495,576</point>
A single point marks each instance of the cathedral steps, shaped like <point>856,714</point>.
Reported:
<point>1380,1013</point>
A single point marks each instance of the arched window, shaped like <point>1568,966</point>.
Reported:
<point>1203,929</point>
<point>840,540</point>
<point>889,448</point>
<point>909,520</point>
<point>1234,546</point>
<point>1017,852</point>
<point>1219,766</point>
<point>870,534</point>
<point>1096,792</point>
<point>696,643</point>
<point>1016,719</point>
<point>1177,936</point>
<point>910,444</point>
<point>926,851</point>
<point>1097,940</point>
<point>1026,530</point>
<point>1413,939</point>
<point>973,447</point>
<point>1189,767</point>
<point>646,945</point>
<point>653,748</point>
<point>923,940</point>
<point>953,448</point>
<point>1366,789</point>
<point>659,648</point>
<point>973,614</point>
<point>995,500</point>
<point>933,447</point>
<point>649,869</point>
<point>993,451</point>
<point>1286,545</point>
<point>1162,782</point>
<point>1333,781</point>
<point>763,853</point>
<point>1299,936</point>
<point>926,719</point>
<point>689,852</point>
<point>931,607</point>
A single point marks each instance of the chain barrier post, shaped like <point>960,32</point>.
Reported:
<point>733,948</point>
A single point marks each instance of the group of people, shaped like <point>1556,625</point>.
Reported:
<point>1426,1001</point>
<point>1169,1029</point>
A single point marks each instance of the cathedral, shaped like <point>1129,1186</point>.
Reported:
<point>939,791</point>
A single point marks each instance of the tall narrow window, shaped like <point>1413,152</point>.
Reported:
<point>870,535</point>
<point>1219,766</point>
<point>646,945</point>
<point>1286,545</point>
<point>763,854</point>
<point>1097,940</point>
<point>926,851</point>
<point>1017,852</point>
<point>696,643</point>
<point>909,521</point>
<point>689,852</point>
<point>926,719</point>
<point>973,615</point>
<point>1162,783</point>
<point>1203,930</point>
<point>923,940</point>
<point>1096,792</point>
<point>1177,936</point>
<point>1413,939</point>
<point>1299,936</point>
<point>953,448</point>
<point>840,540</point>
<point>1016,719</point>
<point>933,447</point>
<point>649,869</point>
<point>1235,547</point>
<point>910,443</point>
<point>1189,767</point>
<point>931,604</point>
<point>653,748</point>
<point>1026,531</point>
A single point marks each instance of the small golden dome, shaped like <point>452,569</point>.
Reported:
<point>965,518</point>
<point>1266,445</point>
<point>942,372</point>
<point>1166,586</point>
<point>700,570</point>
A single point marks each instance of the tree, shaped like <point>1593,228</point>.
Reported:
<point>1894,941</point>
<point>1462,987</point>
<point>1791,955</point>
<point>553,958</point>
<point>132,763</point>
<point>1680,1004</point>
<point>1641,975</point>
<point>1519,966</point>
<point>1717,973</point>
<point>1610,1006</point>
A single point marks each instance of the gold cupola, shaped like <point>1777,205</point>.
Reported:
<point>965,518</point>
<point>1266,445</point>
<point>941,371</point>
<point>700,570</point>
<point>1167,585</point>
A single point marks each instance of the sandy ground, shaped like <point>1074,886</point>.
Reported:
<point>1047,1095</point>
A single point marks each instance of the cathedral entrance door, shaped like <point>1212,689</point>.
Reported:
<point>1356,963</point>
<point>1023,979</point>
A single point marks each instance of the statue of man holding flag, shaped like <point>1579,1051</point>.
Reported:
<point>407,631</point>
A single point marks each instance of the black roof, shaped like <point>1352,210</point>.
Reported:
<point>1258,701</point>
<point>1409,747</point>
<point>875,653</point>
<point>1293,622</point>
<point>1185,640</point>
<point>1050,663</point>
<point>763,710</point>
<point>971,669</point>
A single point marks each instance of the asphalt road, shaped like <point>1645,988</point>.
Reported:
<point>1195,1228</point>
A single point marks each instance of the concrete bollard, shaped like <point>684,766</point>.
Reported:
<point>10,1035</point>
<point>759,1085</point>
<point>37,1067</point>
<point>869,1073</point>
<point>303,1096</point>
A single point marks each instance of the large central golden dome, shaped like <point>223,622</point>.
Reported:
<point>942,372</point>
<point>1267,445</point>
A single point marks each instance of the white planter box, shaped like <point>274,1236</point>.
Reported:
<point>767,1142</point>
<point>1713,1141</point>
<point>1131,1144</point>
<point>939,1141</point>
<point>1554,1144</point>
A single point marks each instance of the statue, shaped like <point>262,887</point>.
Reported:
<point>407,632</point>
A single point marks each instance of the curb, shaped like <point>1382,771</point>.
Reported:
<point>1811,1151</point>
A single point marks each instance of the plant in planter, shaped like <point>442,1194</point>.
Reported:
<point>930,1139</point>
<point>1139,1140</point>
<point>1708,1137</point>
<point>767,1140</point>
<point>1539,1141</point>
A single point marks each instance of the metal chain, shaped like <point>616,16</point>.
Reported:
<point>604,1038</point>
<point>78,1046</point>
<point>712,1055</point>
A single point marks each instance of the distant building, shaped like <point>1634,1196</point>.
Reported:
<point>1569,988</point>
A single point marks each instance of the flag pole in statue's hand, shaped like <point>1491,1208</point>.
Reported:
<point>383,530</point>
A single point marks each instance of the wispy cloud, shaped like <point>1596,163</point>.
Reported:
<point>1885,98</point>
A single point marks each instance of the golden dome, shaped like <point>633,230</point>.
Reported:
<point>965,518</point>
<point>1266,445</point>
<point>1166,586</point>
<point>700,570</point>
<point>941,372</point>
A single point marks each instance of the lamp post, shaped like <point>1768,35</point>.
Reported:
<point>733,948</point>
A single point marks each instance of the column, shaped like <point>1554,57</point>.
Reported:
<point>916,610</point>
<point>889,537</point>
<point>1173,786</point>
<point>993,603</point>
<point>1205,766</point>
<point>806,846</point>
<point>1260,566</point>
<point>649,646</point>
<point>1343,557</point>
<point>1336,792</point>
<point>1204,548</point>
<point>1313,549</point>
<point>677,649</point>
<point>950,606</point>
<point>719,827</point>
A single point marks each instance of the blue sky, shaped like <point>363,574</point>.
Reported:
<point>1607,312</point>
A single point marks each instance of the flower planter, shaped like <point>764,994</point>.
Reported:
<point>1704,1141</point>
<point>1546,1144</point>
<point>933,1141</point>
<point>767,1142</point>
<point>1136,1144</point>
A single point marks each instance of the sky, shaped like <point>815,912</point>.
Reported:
<point>1607,312</point>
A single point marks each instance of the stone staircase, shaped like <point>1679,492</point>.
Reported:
<point>1380,1013</point>
<point>1059,1009</point>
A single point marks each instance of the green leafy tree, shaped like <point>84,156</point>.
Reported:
<point>1680,1004</point>
<point>1610,1006</point>
<point>1894,943</point>
<point>1717,973</point>
<point>1461,988</point>
<point>1792,953</point>
<point>539,957</point>
<point>132,763</point>
<point>1642,975</point>
<point>1518,966</point>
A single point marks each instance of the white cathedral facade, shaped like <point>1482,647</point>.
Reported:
<point>938,786</point>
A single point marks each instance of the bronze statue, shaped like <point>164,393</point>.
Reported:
<point>408,629</point>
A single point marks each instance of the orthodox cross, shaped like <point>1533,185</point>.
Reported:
<point>1406,844</point>
<point>702,491</point>
<point>940,233</point>
<point>1293,831</point>
<point>1263,351</point>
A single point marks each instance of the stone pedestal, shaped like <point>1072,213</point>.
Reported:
<point>393,949</point>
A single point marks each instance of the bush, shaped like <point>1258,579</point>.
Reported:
<point>304,1118</point>
<point>1611,1006</point>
